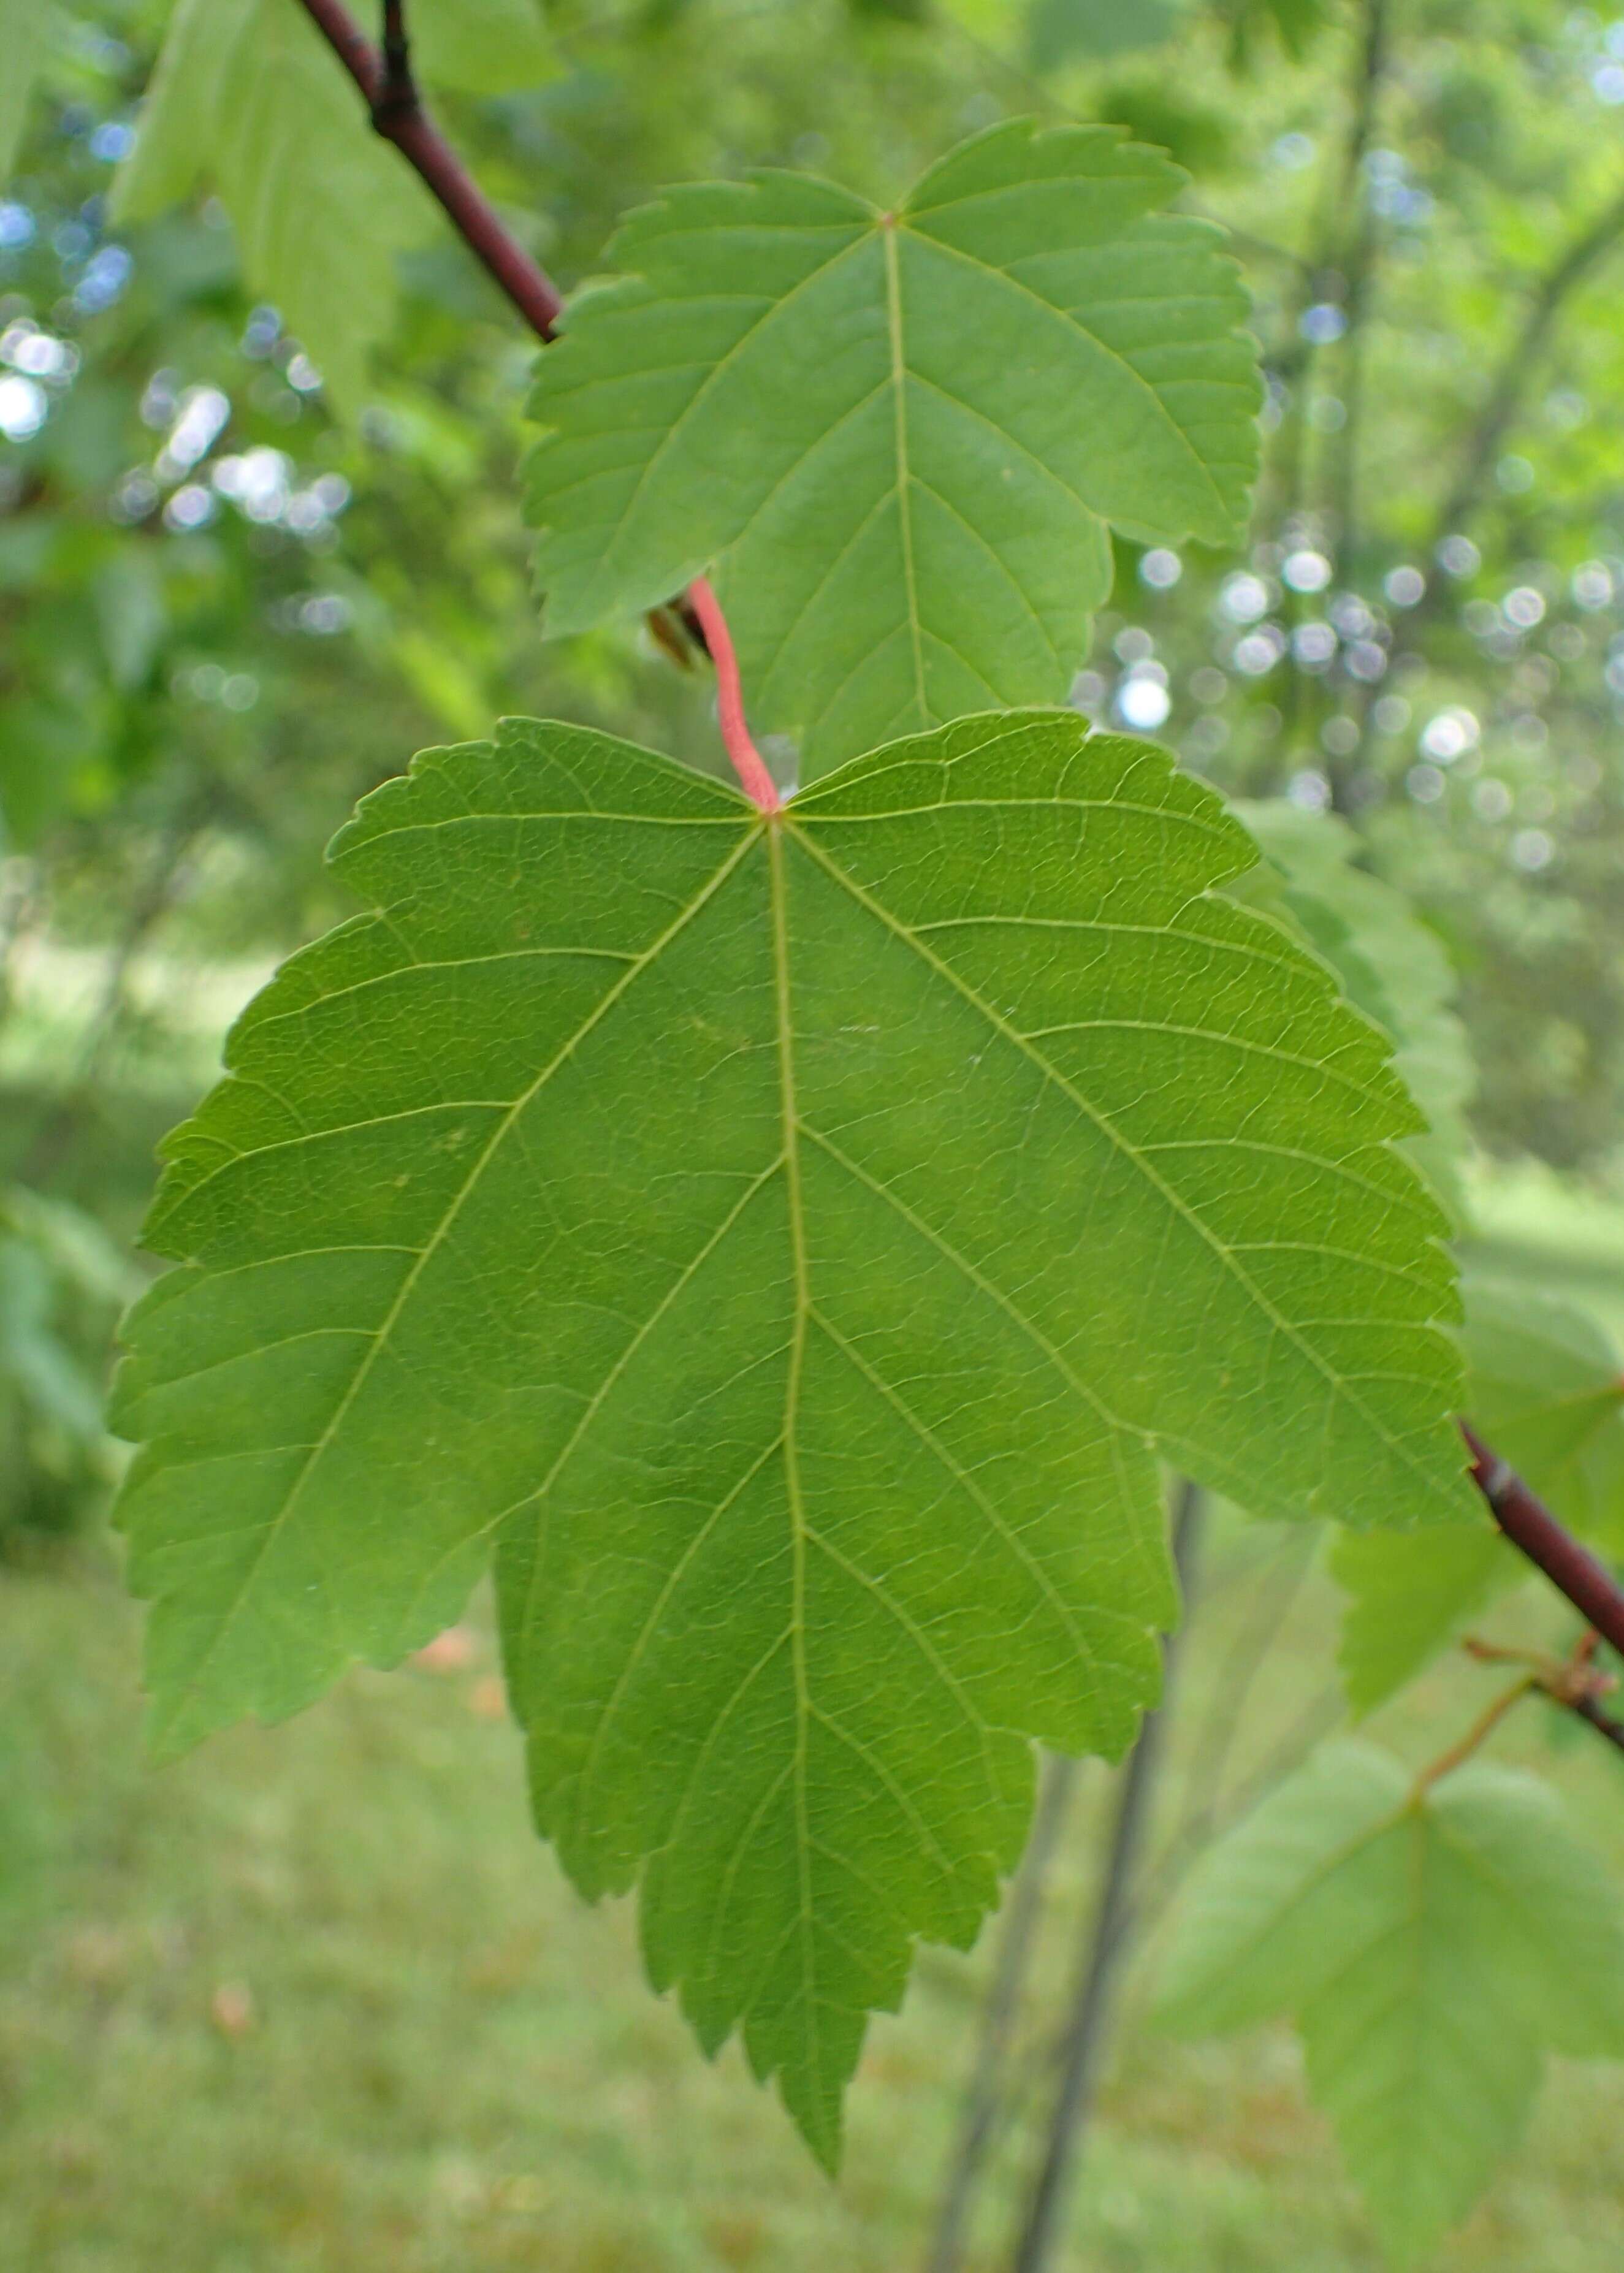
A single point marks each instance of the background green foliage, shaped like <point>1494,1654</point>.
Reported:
<point>1430,1945</point>
<point>245,565</point>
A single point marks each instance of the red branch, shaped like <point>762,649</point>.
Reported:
<point>1529,1525</point>
<point>396,111</point>
<point>395,108</point>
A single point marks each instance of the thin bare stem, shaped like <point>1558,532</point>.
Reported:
<point>985,2101</point>
<point>1493,1653</point>
<point>1482,1728</point>
<point>1342,268</point>
<point>1087,2034</point>
<point>1273,1600</point>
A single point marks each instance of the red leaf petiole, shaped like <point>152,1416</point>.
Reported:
<point>748,764</point>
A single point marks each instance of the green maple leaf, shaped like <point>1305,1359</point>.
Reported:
<point>790,1244</point>
<point>898,440</point>
<point>1431,1947</point>
<point>1058,30</point>
<point>1543,1385</point>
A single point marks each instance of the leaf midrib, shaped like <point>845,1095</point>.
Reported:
<point>790,1147</point>
<point>899,391</point>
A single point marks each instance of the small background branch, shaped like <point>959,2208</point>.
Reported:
<point>985,2102</point>
<point>1519,366</point>
<point>1082,2047</point>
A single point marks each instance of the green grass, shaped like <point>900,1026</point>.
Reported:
<point>316,2001</point>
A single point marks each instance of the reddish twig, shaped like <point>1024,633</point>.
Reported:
<point>748,761</point>
<point>1529,1525</point>
<point>395,108</point>
<point>396,111</point>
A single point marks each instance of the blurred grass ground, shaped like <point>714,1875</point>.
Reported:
<point>314,2000</point>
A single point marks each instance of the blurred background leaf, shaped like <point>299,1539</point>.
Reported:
<point>1063,29</point>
